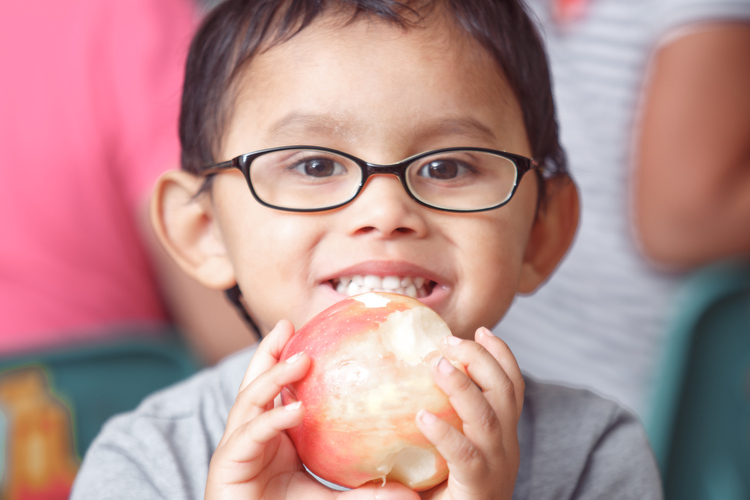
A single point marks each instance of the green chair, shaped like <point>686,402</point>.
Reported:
<point>700,425</point>
<point>98,381</point>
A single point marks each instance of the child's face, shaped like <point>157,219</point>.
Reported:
<point>381,94</point>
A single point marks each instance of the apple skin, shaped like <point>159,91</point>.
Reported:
<point>370,375</point>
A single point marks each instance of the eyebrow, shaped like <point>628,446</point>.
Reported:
<point>328,124</point>
<point>465,126</point>
<point>323,124</point>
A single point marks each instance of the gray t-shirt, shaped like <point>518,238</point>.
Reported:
<point>574,444</point>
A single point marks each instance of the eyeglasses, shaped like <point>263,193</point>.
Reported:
<point>315,179</point>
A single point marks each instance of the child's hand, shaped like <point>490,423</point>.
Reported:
<point>255,459</point>
<point>483,462</point>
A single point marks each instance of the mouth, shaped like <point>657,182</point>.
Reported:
<point>415,287</point>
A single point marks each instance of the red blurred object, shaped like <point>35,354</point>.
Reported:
<point>567,11</point>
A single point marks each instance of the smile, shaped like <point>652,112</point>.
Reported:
<point>415,287</point>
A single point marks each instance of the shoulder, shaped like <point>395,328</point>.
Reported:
<point>162,449</point>
<point>560,407</point>
<point>575,444</point>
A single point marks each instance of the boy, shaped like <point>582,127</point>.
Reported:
<point>461,91</point>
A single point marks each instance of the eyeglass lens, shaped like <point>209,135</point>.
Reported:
<point>314,179</point>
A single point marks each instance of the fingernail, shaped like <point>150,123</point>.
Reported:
<point>444,365</point>
<point>293,406</point>
<point>452,340</point>
<point>426,417</point>
<point>294,358</point>
<point>483,332</point>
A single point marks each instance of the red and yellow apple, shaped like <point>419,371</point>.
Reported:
<point>370,375</point>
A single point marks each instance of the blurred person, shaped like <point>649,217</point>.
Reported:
<point>600,323</point>
<point>89,104</point>
<point>692,178</point>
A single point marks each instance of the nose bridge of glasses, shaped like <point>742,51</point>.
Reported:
<point>396,169</point>
<point>371,170</point>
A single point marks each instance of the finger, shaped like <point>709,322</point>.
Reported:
<point>480,423</point>
<point>487,409</point>
<point>463,457</point>
<point>259,395</point>
<point>249,441</point>
<point>388,491</point>
<point>268,351</point>
<point>502,353</point>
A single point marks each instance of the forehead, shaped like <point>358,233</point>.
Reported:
<point>366,82</point>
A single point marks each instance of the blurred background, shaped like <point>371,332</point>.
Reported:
<point>94,316</point>
<point>651,307</point>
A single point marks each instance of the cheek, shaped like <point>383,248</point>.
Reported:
<point>492,253</point>
<point>256,234</point>
<point>271,253</point>
<point>274,248</point>
<point>494,262</point>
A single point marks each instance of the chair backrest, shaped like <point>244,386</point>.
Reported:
<point>700,426</point>
<point>52,405</point>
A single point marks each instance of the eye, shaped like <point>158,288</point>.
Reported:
<point>444,169</point>
<point>319,167</point>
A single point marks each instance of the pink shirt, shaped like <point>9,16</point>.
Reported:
<point>89,100</point>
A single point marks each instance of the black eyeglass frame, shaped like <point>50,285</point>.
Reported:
<point>244,161</point>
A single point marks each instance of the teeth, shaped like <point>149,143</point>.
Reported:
<point>415,287</point>
<point>373,281</point>
<point>391,282</point>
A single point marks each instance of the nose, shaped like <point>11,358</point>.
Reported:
<point>384,209</point>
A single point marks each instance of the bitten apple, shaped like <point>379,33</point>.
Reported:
<point>370,375</point>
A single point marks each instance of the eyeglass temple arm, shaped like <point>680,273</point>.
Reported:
<point>215,169</point>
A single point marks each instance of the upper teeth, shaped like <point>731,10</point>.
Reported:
<point>415,287</point>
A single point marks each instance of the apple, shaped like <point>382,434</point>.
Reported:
<point>370,375</point>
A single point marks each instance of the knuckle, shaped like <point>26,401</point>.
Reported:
<point>488,421</point>
<point>446,434</point>
<point>467,455</point>
<point>466,351</point>
<point>508,389</point>
<point>463,450</point>
<point>242,397</point>
<point>521,385</point>
<point>476,350</point>
<point>480,357</point>
<point>246,399</point>
<point>464,384</point>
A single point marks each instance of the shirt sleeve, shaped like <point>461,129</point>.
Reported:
<point>163,448</point>
<point>621,465</point>
<point>673,15</point>
<point>579,446</point>
<point>146,48</point>
<point>118,476</point>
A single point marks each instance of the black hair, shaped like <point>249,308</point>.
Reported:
<point>237,30</point>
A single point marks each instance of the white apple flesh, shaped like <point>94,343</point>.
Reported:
<point>370,375</point>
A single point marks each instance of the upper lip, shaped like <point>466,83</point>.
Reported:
<point>387,268</point>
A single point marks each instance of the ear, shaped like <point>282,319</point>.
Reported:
<point>552,233</point>
<point>186,227</point>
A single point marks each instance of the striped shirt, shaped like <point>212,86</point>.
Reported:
<point>600,322</point>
